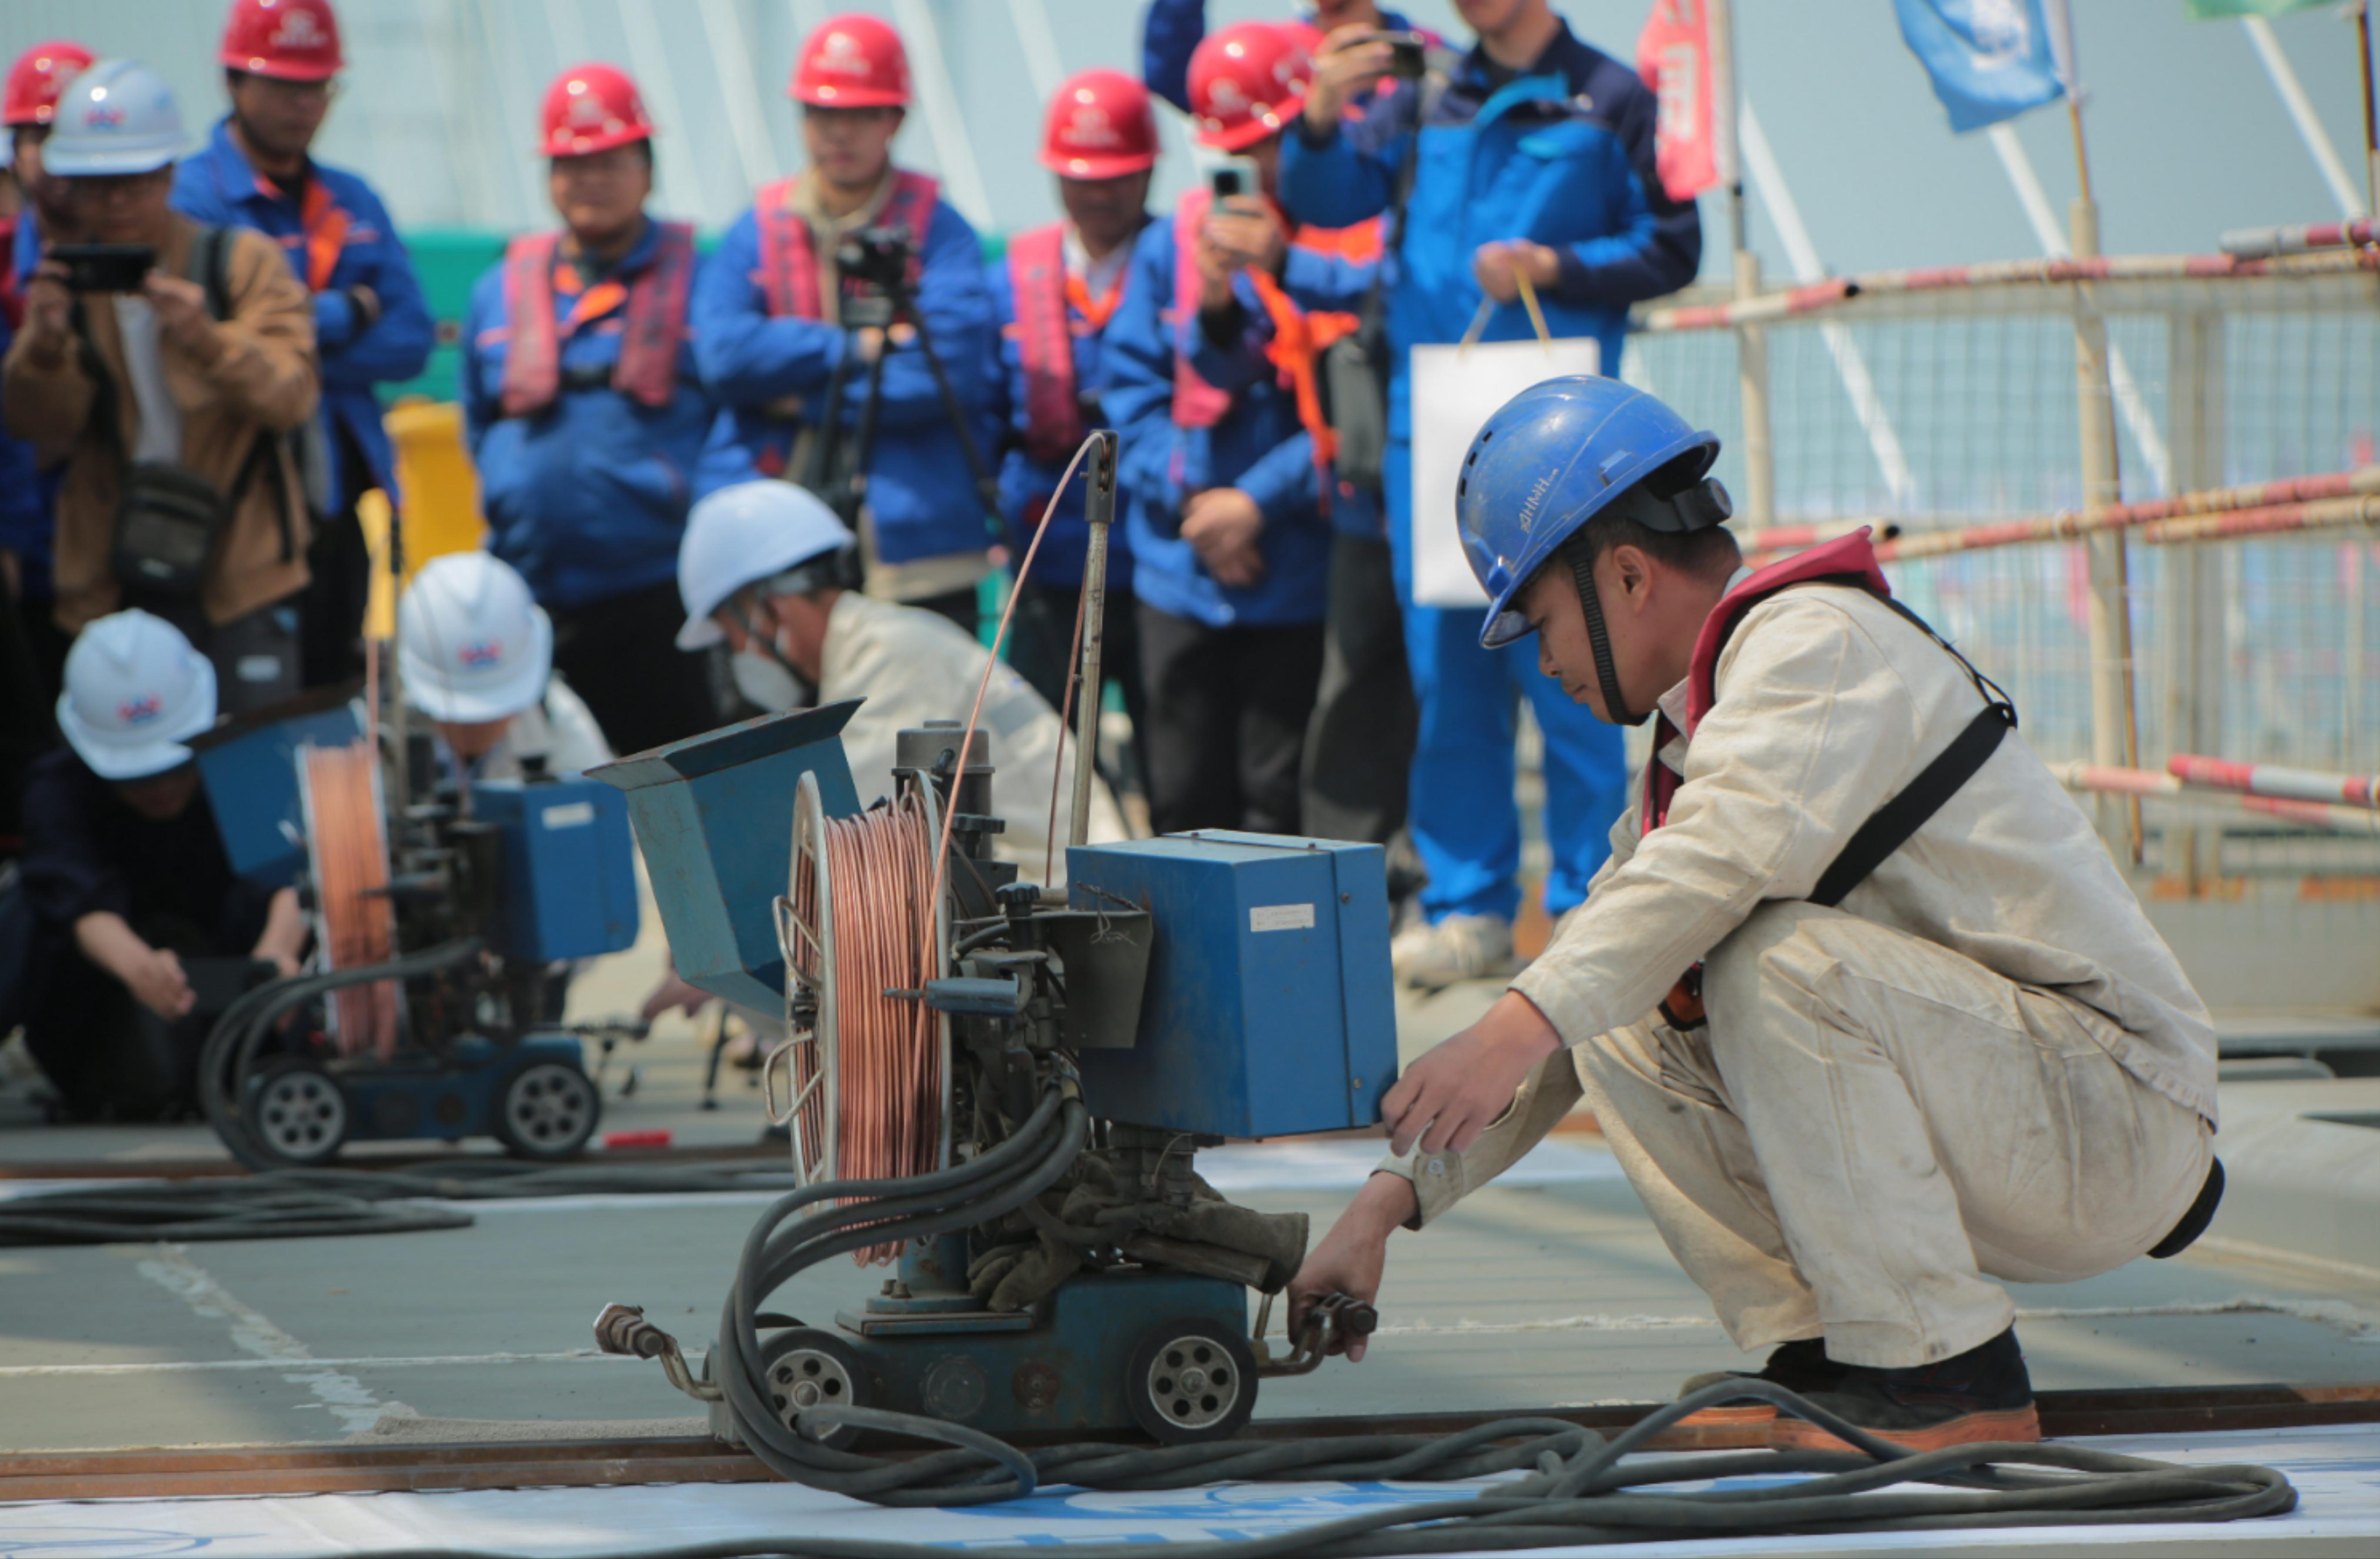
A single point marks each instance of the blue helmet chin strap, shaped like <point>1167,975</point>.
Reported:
<point>1581,568</point>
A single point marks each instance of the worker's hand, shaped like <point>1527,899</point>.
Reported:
<point>1221,524</point>
<point>673,993</point>
<point>1350,1258</point>
<point>158,984</point>
<point>868,342</point>
<point>1242,231</point>
<point>1498,263</point>
<point>1351,60</point>
<point>1457,1090</point>
<point>181,308</point>
<point>49,310</point>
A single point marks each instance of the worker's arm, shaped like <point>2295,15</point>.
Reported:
<point>1326,282</point>
<point>383,338</point>
<point>1284,483</point>
<point>1169,33</point>
<point>1813,731</point>
<point>153,975</point>
<point>1136,383</point>
<point>956,311</point>
<point>1669,256</point>
<point>46,398</point>
<point>1226,346</point>
<point>748,359</point>
<point>479,377</point>
<point>1612,269</point>
<point>1334,173</point>
<point>261,359</point>
<point>285,933</point>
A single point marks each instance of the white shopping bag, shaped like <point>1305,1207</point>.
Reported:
<point>1454,389</point>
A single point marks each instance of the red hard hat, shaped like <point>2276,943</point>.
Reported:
<point>287,40</point>
<point>37,78</point>
<point>591,108</point>
<point>1247,82</point>
<point>1099,125</point>
<point>852,61</point>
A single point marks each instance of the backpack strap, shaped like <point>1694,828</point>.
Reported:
<point>208,264</point>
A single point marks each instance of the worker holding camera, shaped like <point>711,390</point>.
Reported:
<point>281,62</point>
<point>585,414</point>
<point>845,326</point>
<point>1865,1012</point>
<point>1531,159</point>
<point>1226,462</point>
<point>180,493</point>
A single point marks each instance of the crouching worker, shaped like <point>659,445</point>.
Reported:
<point>1866,1012</point>
<point>476,655</point>
<point>143,933</point>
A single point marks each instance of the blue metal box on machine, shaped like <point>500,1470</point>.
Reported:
<point>249,768</point>
<point>570,879</point>
<point>1268,1008</point>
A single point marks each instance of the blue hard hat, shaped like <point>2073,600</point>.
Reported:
<point>1550,459</point>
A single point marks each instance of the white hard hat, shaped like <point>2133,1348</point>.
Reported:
<point>116,117</point>
<point>743,533</point>
<point>134,692</point>
<point>470,644</point>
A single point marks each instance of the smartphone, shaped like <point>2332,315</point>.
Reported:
<point>1407,55</point>
<point>1226,183</point>
<point>104,268</point>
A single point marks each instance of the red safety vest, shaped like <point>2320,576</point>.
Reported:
<point>789,267</point>
<point>1847,555</point>
<point>654,330</point>
<point>1299,337</point>
<point>1049,301</point>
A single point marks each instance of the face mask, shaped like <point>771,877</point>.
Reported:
<point>768,682</point>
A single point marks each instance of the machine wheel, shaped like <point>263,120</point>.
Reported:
<point>297,1114</point>
<point>811,1368</point>
<point>1191,1378</point>
<point>546,1109</point>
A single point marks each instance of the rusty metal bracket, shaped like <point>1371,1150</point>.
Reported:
<point>622,1329</point>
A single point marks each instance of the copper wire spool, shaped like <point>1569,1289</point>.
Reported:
<point>347,838</point>
<point>868,1079</point>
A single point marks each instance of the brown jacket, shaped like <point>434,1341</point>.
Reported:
<point>266,378</point>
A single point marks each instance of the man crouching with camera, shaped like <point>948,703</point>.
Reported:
<point>165,362</point>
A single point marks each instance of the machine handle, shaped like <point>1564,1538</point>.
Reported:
<point>768,1090</point>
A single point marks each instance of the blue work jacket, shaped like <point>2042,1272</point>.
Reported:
<point>218,187</point>
<point>586,498</point>
<point>1561,156</point>
<point>920,491</point>
<point>1259,446</point>
<point>1027,482</point>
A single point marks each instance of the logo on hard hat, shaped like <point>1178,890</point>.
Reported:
<point>587,111</point>
<point>141,710</point>
<point>841,53</point>
<point>1225,97</point>
<point>99,117</point>
<point>1089,126</point>
<point>479,652</point>
<point>298,31</point>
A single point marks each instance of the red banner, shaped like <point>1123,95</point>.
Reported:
<point>1673,56</point>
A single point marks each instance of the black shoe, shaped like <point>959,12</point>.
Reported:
<point>1980,1397</point>
<point>1801,1366</point>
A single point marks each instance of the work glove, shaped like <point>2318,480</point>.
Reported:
<point>1010,1277</point>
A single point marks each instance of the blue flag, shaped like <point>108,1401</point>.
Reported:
<point>1990,59</point>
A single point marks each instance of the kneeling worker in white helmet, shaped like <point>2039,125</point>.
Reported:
<point>1866,1012</point>
<point>767,567</point>
<point>476,655</point>
<point>141,935</point>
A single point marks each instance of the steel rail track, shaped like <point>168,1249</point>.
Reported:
<point>561,1463</point>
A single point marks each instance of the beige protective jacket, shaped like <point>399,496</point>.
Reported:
<point>1829,704</point>
<point>913,666</point>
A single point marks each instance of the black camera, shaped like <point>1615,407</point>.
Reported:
<point>1408,55</point>
<point>877,260</point>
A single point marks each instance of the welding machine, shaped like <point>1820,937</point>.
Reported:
<point>1000,1092</point>
<point>430,1008</point>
